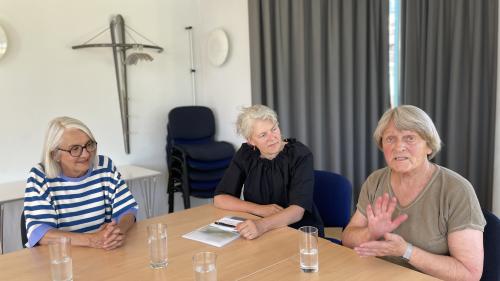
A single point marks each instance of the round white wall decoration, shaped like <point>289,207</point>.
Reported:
<point>217,47</point>
<point>3,42</point>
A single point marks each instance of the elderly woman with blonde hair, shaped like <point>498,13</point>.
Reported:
<point>277,175</point>
<point>416,213</point>
<point>76,193</point>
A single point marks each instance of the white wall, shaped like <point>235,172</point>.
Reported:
<point>42,77</point>
<point>227,85</point>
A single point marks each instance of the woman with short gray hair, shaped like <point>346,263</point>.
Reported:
<point>248,115</point>
<point>277,174</point>
<point>411,118</point>
<point>76,193</point>
<point>413,212</point>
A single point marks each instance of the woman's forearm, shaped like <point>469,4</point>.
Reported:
<point>465,261</point>
<point>77,239</point>
<point>229,202</point>
<point>443,267</point>
<point>353,236</point>
<point>286,217</point>
<point>126,222</point>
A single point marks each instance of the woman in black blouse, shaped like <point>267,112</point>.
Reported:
<point>277,175</point>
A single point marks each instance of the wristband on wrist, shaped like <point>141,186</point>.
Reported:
<point>408,252</point>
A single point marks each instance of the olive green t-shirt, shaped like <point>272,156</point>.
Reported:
<point>448,203</point>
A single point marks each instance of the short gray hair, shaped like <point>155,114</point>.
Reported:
<point>53,140</point>
<point>244,124</point>
<point>411,118</point>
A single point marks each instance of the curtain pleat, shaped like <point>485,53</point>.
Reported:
<point>323,66</point>
<point>448,68</point>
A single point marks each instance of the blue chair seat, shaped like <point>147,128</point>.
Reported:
<point>203,194</point>
<point>212,151</point>
<point>205,166</point>
<point>204,185</point>
<point>196,175</point>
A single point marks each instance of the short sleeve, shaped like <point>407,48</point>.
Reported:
<point>363,198</point>
<point>464,209</point>
<point>234,177</point>
<point>39,212</point>
<point>122,200</point>
<point>302,182</point>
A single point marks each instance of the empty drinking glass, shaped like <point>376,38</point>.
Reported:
<point>157,240</point>
<point>204,266</point>
<point>61,264</point>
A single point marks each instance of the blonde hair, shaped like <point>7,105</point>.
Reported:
<point>53,139</point>
<point>411,118</point>
<point>247,116</point>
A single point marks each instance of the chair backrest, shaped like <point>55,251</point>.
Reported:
<point>333,198</point>
<point>491,240</point>
<point>24,235</point>
<point>191,123</point>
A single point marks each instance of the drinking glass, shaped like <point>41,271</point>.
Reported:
<point>204,266</point>
<point>157,240</point>
<point>308,248</point>
<point>61,264</point>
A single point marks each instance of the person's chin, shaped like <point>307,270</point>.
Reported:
<point>274,150</point>
<point>83,166</point>
<point>274,147</point>
<point>401,169</point>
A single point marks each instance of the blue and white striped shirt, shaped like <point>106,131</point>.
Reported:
<point>78,205</point>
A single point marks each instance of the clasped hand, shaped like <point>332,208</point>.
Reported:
<point>109,236</point>
<point>380,224</point>
<point>393,245</point>
<point>250,229</point>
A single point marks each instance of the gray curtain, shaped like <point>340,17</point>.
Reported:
<point>323,66</point>
<point>448,68</point>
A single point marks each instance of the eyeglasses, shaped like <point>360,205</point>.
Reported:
<point>77,150</point>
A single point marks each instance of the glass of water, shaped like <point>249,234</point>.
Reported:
<point>204,266</point>
<point>61,264</point>
<point>157,240</point>
<point>308,248</point>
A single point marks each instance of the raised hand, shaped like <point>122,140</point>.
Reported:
<point>380,216</point>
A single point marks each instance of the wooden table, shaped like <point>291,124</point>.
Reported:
<point>274,256</point>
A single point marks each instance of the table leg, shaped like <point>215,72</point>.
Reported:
<point>148,191</point>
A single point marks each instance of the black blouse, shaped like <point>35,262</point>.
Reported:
<point>286,180</point>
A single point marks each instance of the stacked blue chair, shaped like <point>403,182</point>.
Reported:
<point>196,161</point>
<point>491,235</point>
<point>333,198</point>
